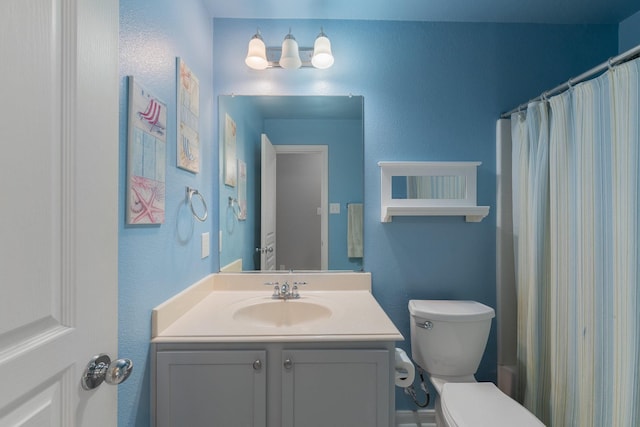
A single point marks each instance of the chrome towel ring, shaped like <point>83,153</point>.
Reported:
<point>190,193</point>
<point>235,207</point>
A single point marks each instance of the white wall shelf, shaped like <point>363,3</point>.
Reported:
<point>463,203</point>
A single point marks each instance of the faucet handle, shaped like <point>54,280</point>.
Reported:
<point>299,283</point>
<point>276,289</point>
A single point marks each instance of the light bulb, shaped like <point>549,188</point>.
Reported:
<point>256,54</point>
<point>322,57</point>
<point>290,58</point>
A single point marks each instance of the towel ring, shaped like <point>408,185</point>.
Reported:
<point>235,207</point>
<point>190,193</point>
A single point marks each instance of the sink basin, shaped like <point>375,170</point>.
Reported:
<point>282,313</point>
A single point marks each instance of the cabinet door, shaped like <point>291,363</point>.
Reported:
<point>335,388</point>
<point>211,388</point>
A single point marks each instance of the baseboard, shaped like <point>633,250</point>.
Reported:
<point>422,418</point>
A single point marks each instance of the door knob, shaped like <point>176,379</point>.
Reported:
<point>100,368</point>
<point>264,250</point>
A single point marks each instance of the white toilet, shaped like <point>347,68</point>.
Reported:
<point>448,339</point>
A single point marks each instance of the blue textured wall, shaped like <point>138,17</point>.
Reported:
<point>156,262</point>
<point>432,91</point>
<point>629,32</point>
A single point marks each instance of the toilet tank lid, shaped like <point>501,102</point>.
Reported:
<point>450,310</point>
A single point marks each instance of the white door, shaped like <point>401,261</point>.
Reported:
<point>267,205</point>
<point>59,205</point>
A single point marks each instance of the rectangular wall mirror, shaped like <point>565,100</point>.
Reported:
<point>429,187</point>
<point>291,182</point>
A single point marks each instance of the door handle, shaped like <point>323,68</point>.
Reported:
<point>264,250</point>
<point>100,368</point>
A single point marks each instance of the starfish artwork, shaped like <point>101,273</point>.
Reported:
<point>146,162</point>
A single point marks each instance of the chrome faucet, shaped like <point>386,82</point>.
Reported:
<point>285,291</point>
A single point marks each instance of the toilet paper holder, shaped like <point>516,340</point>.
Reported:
<point>405,374</point>
<point>404,369</point>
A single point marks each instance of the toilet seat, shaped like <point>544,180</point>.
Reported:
<point>482,405</point>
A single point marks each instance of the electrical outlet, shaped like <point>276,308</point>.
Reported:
<point>334,208</point>
<point>205,244</point>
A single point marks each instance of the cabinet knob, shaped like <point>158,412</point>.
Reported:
<point>288,364</point>
<point>257,365</point>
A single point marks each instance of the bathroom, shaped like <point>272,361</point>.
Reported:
<point>431,90</point>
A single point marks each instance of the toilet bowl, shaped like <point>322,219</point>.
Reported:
<point>448,339</point>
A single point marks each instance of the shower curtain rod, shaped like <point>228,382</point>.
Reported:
<point>616,60</point>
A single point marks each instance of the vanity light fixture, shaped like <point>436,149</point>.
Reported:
<point>256,56</point>
<point>322,56</point>
<point>290,55</point>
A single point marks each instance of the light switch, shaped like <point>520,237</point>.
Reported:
<point>334,208</point>
<point>205,245</point>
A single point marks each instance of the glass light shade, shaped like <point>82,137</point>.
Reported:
<point>290,57</point>
<point>257,54</point>
<point>322,57</point>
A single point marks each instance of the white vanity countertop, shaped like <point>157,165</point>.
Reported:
<point>205,311</point>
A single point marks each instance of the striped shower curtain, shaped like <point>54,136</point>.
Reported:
<point>576,185</point>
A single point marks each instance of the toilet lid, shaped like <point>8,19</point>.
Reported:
<point>482,405</point>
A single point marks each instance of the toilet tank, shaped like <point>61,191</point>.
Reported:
<point>448,337</point>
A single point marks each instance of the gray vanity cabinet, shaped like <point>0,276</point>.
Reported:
<point>193,388</point>
<point>323,388</point>
<point>273,384</point>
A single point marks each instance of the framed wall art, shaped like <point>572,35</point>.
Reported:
<point>188,112</point>
<point>230,172</point>
<point>242,190</point>
<point>146,156</point>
